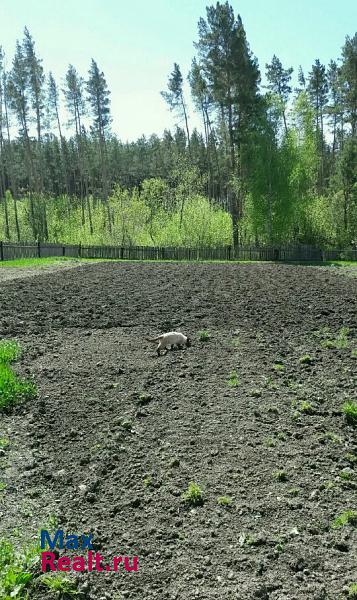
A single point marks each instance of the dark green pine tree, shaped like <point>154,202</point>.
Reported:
<point>349,81</point>
<point>36,79</point>
<point>75,104</point>
<point>99,102</point>
<point>334,108</point>
<point>318,91</point>
<point>233,77</point>
<point>175,97</point>
<point>279,83</point>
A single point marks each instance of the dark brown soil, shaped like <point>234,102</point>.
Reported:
<point>117,434</point>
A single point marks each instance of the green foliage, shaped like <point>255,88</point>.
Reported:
<point>193,495</point>
<point>16,570</point>
<point>306,407</point>
<point>233,380</point>
<point>339,342</point>
<point>12,388</point>
<point>9,351</point>
<point>349,409</point>
<point>224,500</point>
<point>349,517</point>
<point>305,360</point>
<point>352,591</point>
<point>280,476</point>
<point>60,584</point>
<point>278,366</point>
<point>204,336</point>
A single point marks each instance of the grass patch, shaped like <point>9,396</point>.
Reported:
<point>224,500</point>
<point>305,360</point>
<point>204,336</point>
<point>9,351</point>
<point>345,475</point>
<point>351,458</point>
<point>352,591</point>
<point>60,584</point>
<point>4,442</point>
<point>349,409</point>
<point>16,570</point>
<point>338,343</point>
<point>280,475</point>
<point>278,366</point>
<point>349,517</point>
<point>13,389</point>
<point>233,380</point>
<point>333,437</point>
<point>37,262</point>
<point>193,495</point>
<point>306,407</point>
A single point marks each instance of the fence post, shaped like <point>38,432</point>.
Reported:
<point>39,249</point>
<point>1,250</point>
<point>63,250</point>
<point>80,249</point>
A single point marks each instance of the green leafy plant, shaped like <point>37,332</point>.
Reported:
<point>352,591</point>
<point>306,407</point>
<point>60,584</point>
<point>233,380</point>
<point>351,458</point>
<point>349,517</point>
<point>339,342</point>
<point>9,351</point>
<point>204,336</point>
<point>224,500</point>
<point>193,495</point>
<point>345,475</point>
<point>12,388</point>
<point>305,360</point>
<point>280,475</point>
<point>278,366</point>
<point>349,409</point>
<point>16,569</point>
<point>333,437</point>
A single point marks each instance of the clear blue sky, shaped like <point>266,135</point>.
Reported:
<point>136,42</point>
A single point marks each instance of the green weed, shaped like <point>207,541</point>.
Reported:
<point>12,388</point>
<point>60,584</point>
<point>193,495</point>
<point>9,351</point>
<point>278,366</point>
<point>306,407</point>
<point>204,336</point>
<point>280,475</point>
<point>224,500</point>
<point>233,380</point>
<point>349,409</point>
<point>352,591</point>
<point>349,517</point>
<point>305,360</point>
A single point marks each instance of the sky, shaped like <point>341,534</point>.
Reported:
<point>136,42</point>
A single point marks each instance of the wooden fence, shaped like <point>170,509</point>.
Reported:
<point>12,250</point>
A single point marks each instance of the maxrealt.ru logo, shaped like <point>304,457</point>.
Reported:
<point>91,561</point>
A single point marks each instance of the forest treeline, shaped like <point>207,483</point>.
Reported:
<point>271,164</point>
